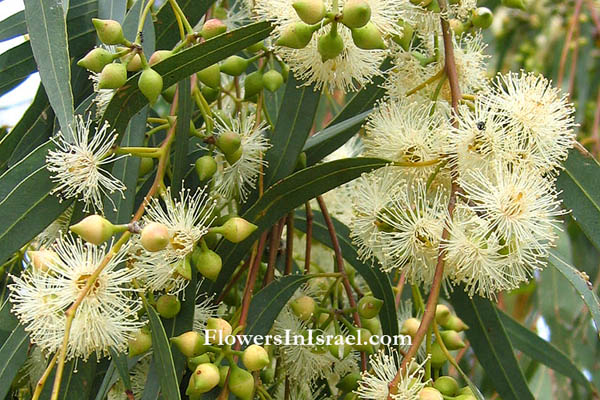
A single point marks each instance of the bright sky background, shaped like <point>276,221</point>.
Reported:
<point>14,103</point>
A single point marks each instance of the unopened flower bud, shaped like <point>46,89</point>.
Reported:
<point>310,11</point>
<point>372,324</point>
<point>330,46</point>
<point>241,383</point>
<point>183,268</point>
<point>228,142</point>
<point>134,64</point>
<point>253,84</point>
<point>190,344</point>
<point>236,229</point>
<point>296,36</point>
<point>146,165</point>
<point>438,358</point>
<point>168,306</point>
<point>220,328</point>
<point>429,393</point>
<point>155,236</point>
<point>158,56</point>
<point>303,307</point>
<point>255,357</point>
<point>207,262</point>
<point>193,362</point>
<point>368,37</point>
<point>422,3</point>
<point>212,27</point>
<point>339,348</point>
<point>369,306</point>
<point>349,383</point>
<point>140,342</point>
<point>203,379</point>
<point>410,327</point>
<point>356,13</point>
<point>405,38</point>
<point>272,80</point>
<point>267,375</point>
<point>209,94</point>
<point>150,84</point>
<point>457,26</point>
<point>169,93</point>
<point>363,343</point>
<point>520,4</point>
<point>455,324</point>
<point>94,229</point>
<point>109,31</point>
<point>210,76</point>
<point>482,17</point>
<point>206,166</point>
<point>442,314</point>
<point>232,158</point>
<point>447,385</point>
<point>452,340</point>
<point>42,259</point>
<point>96,59</point>
<point>113,76</point>
<point>234,65</point>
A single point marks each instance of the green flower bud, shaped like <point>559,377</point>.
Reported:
<point>253,84</point>
<point>213,27</point>
<point>310,11</point>
<point>422,3</point>
<point>442,314</point>
<point>134,63</point>
<point>146,165</point>
<point>206,166</point>
<point>210,76</point>
<point>96,59</point>
<point>220,327</point>
<point>466,391</point>
<point>447,385</point>
<point>208,263</point>
<point>272,80</point>
<point>169,93</point>
<point>155,236</point>
<point>168,306</point>
<point>285,71</point>
<point>406,37</point>
<point>434,6</point>
<point>438,358</point>
<point>42,259</point>
<point>267,375</point>
<point>368,37</point>
<point>109,31</point>
<point>233,157</point>
<point>455,324</point>
<point>303,307</point>
<point>256,47</point>
<point>457,26</point>
<point>362,340</point>
<point>203,379</point>
<point>94,229</point>
<point>372,324</point>
<point>410,327</point>
<point>255,357</point>
<point>113,76</point>
<point>296,36</point>
<point>369,306</point>
<point>158,56</point>
<point>482,17</point>
<point>139,343</point>
<point>220,12</point>
<point>349,382</point>
<point>356,13</point>
<point>193,362</point>
<point>236,229</point>
<point>452,340</point>
<point>183,268</point>
<point>330,45</point>
<point>339,351</point>
<point>228,142</point>
<point>234,65</point>
<point>241,383</point>
<point>150,84</point>
<point>520,4</point>
<point>429,393</point>
<point>209,94</point>
<point>465,397</point>
<point>223,372</point>
<point>190,344</point>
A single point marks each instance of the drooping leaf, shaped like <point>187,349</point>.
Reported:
<point>12,355</point>
<point>182,134</point>
<point>47,28</point>
<point>491,345</point>
<point>378,281</point>
<point>13,26</point>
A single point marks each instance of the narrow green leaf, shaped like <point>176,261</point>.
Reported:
<point>8,321</point>
<point>329,134</point>
<point>378,281</point>
<point>491,345</point>
<point>583,286</point>
<point>163,359</point>
<point>47,27</point>
<point>540,350</point>
<point>13,26</point>
<point>16,65</point>
<point>130,25</point>
<point>13,354</point>
<point>580,191</point>
<point>167,31</point>
<point>152,386</point>
<point>283,197</point>
<point>112,9</point>
<point>120,362</point>
<point>128,100</point>
<point>291,130</point>
<point>77,380</point>
<point>269,301</point>
<point>182,134</point>
<point>112,375</point>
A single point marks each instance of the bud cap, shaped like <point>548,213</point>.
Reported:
<point>109,31</point>
<point>94,229</point>
<point>255,357</point>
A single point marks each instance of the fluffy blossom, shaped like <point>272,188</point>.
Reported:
<point>106,317</point>
<point>77,163</point>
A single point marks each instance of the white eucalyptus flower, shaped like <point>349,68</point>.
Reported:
<point>77,163</point>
